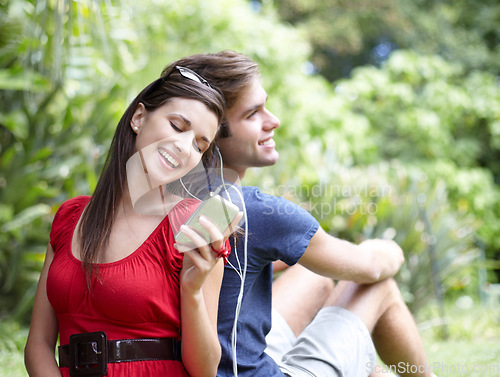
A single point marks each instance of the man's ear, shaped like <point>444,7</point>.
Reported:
<point>224,130</point>
<point>138,118</point>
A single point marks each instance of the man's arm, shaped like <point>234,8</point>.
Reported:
<point>369,262</point>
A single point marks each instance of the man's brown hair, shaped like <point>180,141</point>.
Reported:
<point>229,71</point>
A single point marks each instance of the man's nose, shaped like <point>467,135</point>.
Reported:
<point>271,122</point>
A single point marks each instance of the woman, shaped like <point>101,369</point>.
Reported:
<point>136,295</point>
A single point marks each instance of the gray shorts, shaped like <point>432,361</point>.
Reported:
<point>336,343</point>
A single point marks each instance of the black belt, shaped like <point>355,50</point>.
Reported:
<point>88,354</point>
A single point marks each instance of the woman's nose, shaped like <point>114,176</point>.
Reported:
<point>183,142</point>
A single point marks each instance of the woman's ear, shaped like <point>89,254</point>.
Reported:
<point>138,117</point>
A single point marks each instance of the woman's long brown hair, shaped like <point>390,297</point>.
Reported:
<point>98,218</point>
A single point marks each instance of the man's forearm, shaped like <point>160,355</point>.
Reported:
<point>369,262</point>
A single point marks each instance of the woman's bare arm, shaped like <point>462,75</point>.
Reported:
<point>42,338</point>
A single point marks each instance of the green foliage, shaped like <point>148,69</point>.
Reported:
<point>68,70</point>
<point>12,344</point>
<point>438,243</point>
<point>439,118</point>
<point>408,150</point>
<point>348,34</point>
<point>47,151</point>
<point>472,341</point>
<point>428,118</point>
<point>447,112</point>
<point>390,201</point>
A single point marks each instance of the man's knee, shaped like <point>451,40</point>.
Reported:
<point>327,286</point>
<point>348,294</point>
<point>391,291</point>
<point>367,301</point>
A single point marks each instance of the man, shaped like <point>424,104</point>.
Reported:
<point>318,330</point>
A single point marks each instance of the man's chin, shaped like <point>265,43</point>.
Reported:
<point>270,160</point>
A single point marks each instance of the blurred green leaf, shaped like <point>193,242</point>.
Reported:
<point>17,78</point>
<point>26,217</point>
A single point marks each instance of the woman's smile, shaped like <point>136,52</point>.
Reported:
<point>169,158</point>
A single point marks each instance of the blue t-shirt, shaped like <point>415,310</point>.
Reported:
<point>277,230</point>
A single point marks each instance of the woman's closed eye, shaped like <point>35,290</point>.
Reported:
<point>199,146</point>
<point>175,128</point>
<point>196,147</point>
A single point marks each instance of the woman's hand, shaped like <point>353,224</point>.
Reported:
<point>201,279</point>
<point>201,259</point>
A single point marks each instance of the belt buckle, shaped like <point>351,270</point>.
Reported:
<point>88,354</point>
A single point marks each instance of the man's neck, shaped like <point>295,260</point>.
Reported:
<point>239,170</point>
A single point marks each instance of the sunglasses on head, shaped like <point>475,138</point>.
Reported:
<point>189,74</point>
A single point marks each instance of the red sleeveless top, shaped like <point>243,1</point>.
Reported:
<point>135,297</point>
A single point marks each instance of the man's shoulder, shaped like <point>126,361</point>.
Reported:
<point>250,190</point>
<point>277,226</point>
<point>254,196</point>
<point>269,204</point>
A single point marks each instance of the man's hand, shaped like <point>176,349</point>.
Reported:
<point>386,255</point>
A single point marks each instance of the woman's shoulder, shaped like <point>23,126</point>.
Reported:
<point>68,210</point>
<point>73,204</point>
<point>77,200</point>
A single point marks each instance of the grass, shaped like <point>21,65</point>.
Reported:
<point>476,358</point>
<point>12,340</point>
<point>12,364</point>
<point>471,350</point>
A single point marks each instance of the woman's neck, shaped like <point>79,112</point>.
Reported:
<point>156,202</point>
